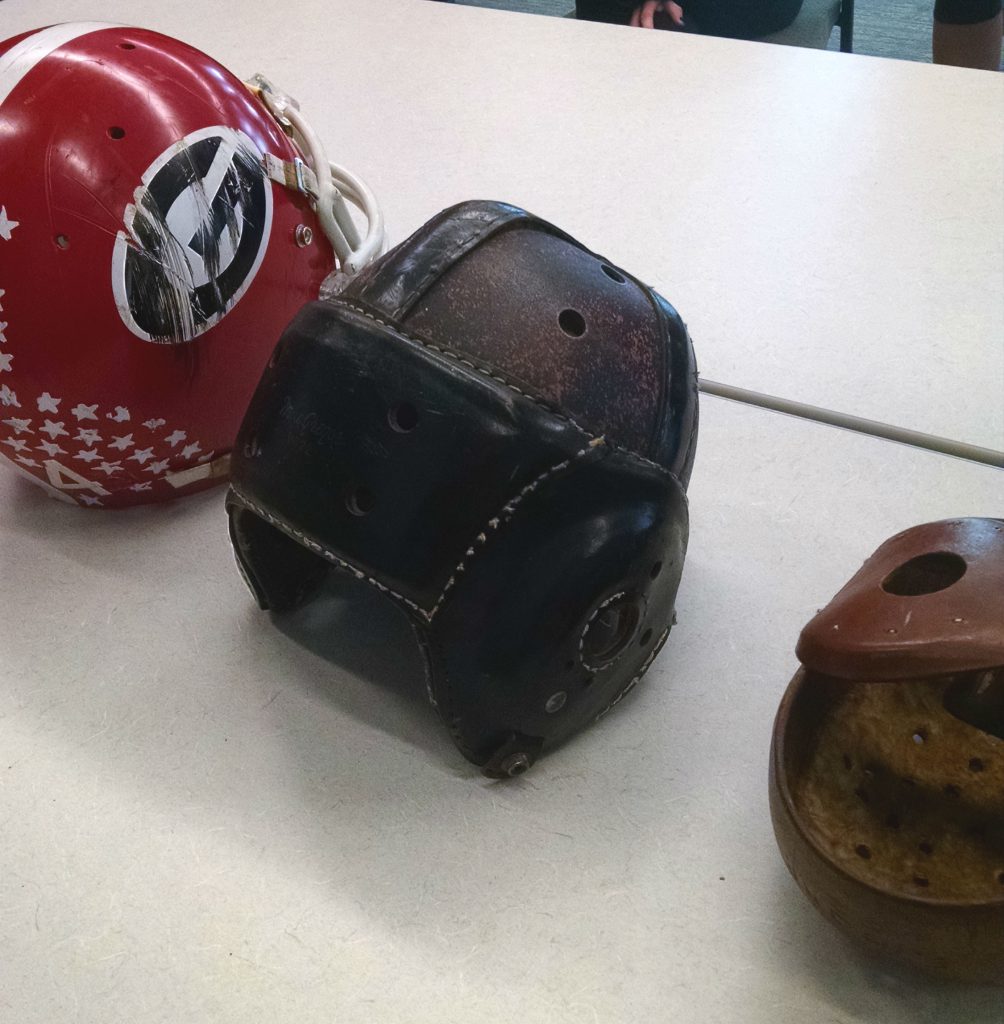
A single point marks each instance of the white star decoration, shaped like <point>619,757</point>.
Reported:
<point>85,412</point>
<point>54,430</point>
<point>142,455</point>
<point>120,415</point>
<point>157,467</point>
<point>2,294</point>
<point>88,500</point>
<point>144,486</point>
<point>8,397</point>
<point>5,360</point>
<point>176,438</point>
<point>121,443</point>
<point>87,456</point>
<point>50,449</point>
<point>189,450</point>
<point>88,436</point>
<point>6,224</point>
<point>25,461</point>
<point>46,403</point>
<point>16,443</point>
<point>20,426</point>
<point>110,467</point>
<point>3,327</point>
<point>154,424</point>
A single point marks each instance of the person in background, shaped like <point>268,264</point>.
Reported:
<point>967,33</point>
<point>734,19</point>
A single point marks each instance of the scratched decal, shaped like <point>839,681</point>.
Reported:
<point>194,238</point>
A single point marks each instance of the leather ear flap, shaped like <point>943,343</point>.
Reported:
<point>280,572</point>
<point>562,610</point>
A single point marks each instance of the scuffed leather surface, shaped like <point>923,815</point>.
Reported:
<point>491,280</point>
<point>502,520</point>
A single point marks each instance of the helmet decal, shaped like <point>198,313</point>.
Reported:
<point>195,236</point>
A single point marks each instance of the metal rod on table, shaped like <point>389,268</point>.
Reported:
<point>960,449</point>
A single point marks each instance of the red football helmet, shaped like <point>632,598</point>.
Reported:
<point>160,223</point>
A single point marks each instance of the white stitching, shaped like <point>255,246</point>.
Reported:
<point>646,664</point>
<point>505,515</point>
<point>319,549</point>
<point>457,357</point>
<point>592,619</point>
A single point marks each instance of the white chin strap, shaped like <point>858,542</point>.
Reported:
<point>328,185</point>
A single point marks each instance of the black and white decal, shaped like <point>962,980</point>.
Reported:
<point>195,236</point>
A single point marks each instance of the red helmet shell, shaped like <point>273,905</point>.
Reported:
<point>147,263</point>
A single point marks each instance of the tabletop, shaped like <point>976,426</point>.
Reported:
<point>831,226</point>
<point>210,814</point>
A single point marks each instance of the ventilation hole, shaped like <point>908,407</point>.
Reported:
<point>921,881</point>
<point>863,851</point>
<point>572,322</point>
<point>587,682</point>
<point>848,763</point>
<point>645,637</point>
<point>861,794</point>
<point>975,764</point>
<point>953,791</point>
<point>569,665</point>
<point>655,570</point>
<point>251,449</point>
<point>925,848</point>
<point>360,502</point>
<point>920,736</point>
<point>127,46</point>
<point>62,241</point>
<point>925,574</point>
<point>115,132</point>
<point>403,418</point>
<point>613,274</point>
<point>892,821</point>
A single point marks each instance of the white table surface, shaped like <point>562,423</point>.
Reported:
<point>831,226</point>
<point>204,819</point>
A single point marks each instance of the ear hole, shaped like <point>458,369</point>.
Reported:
<point>613,274</point>
<point>115,132</point>
<point>610,631</point>
<point>572,322</point>
<point>925,574</point>
<point>127,46</point>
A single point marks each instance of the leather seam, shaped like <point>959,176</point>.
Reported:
<point>450,354</point>
<point>646,665</point>
<point>503,517</point>
<point>319,549</point>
